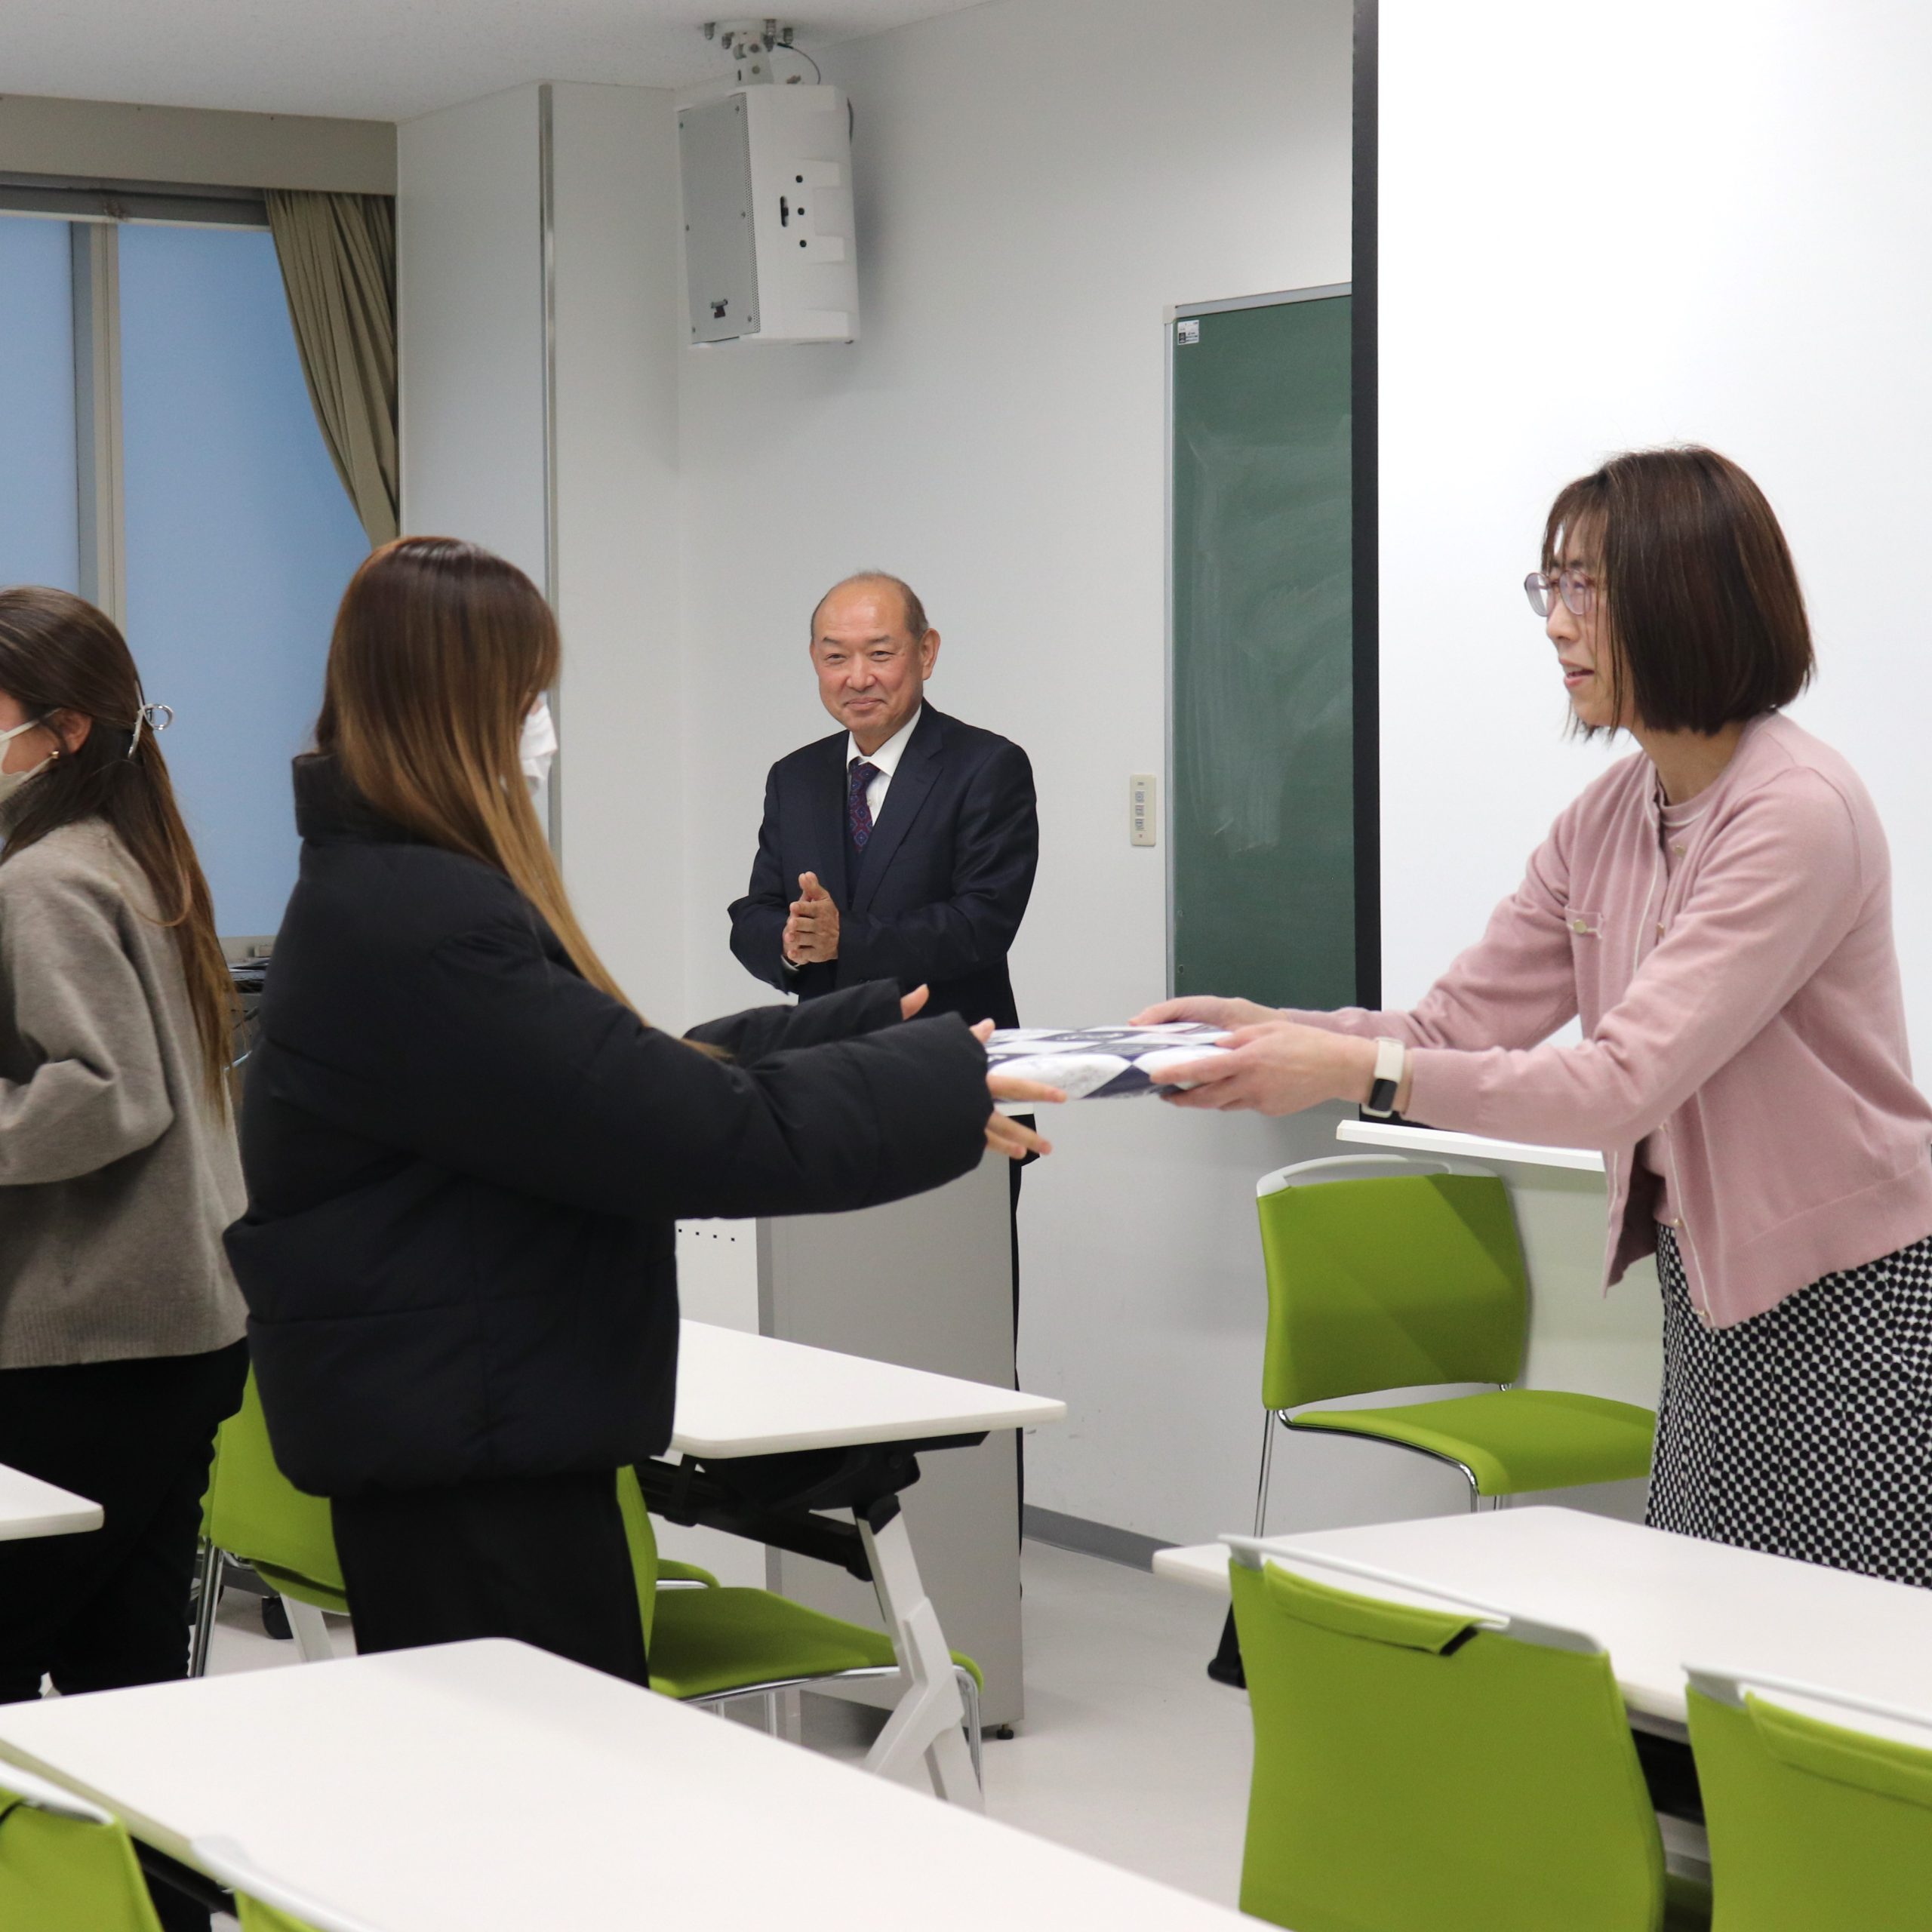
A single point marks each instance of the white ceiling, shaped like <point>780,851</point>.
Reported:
<point>382,60</point>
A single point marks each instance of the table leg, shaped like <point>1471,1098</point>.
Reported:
<point>928,1719</point>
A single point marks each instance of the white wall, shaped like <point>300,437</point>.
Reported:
<point>1701,220</point>
<point>620,788</point>
<point>470,325</point>
<point>474,351</point>
<point>1037,181</point>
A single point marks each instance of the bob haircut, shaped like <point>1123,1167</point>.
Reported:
<point>1698,597</point>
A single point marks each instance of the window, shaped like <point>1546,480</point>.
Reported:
<point>234,534</point>
<point>39,532</point>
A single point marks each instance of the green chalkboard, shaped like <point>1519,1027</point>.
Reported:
<point>1262,797</point>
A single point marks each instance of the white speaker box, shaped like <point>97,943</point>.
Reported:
<point>769,253</point>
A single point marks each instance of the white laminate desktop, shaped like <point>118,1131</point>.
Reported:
<point>741,1395</point>
<point>31,1507</point>
<point>1203,1564</point>
<point>1655,1601</point>
<point>491,1787</point>
<point>1466,1146</point>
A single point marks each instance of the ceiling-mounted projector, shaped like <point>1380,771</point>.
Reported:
<point>767,195</point>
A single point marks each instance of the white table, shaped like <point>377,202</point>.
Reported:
<point>1467,1146</point>
<point>1656,1601</point>
<point>31,1507</point>
<point>488,1787</point>
<point>741,1395</point>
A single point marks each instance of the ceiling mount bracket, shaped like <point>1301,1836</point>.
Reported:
<point>749,43</point>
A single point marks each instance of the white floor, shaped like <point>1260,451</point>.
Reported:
<point>1128,1752</point>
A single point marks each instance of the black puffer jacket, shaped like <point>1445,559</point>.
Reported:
<point>464,1163</point>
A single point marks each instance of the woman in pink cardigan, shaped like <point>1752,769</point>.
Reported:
<point>1717,911</point>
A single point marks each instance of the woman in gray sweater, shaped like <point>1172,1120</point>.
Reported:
<point>120,1324</point>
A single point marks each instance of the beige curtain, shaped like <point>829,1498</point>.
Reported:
<point>338,265</point>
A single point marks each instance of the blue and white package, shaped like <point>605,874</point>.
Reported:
<point>1100,1063</point>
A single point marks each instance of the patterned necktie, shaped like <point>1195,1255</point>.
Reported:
<point>858,809</point>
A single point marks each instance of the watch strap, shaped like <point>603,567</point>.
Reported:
<point>1390,1061</point>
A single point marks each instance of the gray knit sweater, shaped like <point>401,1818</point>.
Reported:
<point>117,1176</point>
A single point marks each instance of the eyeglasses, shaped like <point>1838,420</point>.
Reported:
<point>1578,592</point>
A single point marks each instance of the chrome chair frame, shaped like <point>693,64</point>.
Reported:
<point>1314,1174</point>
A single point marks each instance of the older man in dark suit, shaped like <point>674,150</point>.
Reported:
<point>910,839</point>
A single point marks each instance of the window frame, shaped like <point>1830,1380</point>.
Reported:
<point>95,211</point>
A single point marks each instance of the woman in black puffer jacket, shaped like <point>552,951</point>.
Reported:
<point>465,1152</point>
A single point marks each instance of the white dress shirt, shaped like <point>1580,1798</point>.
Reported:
<point>885,762</point>
<point>886,759</point>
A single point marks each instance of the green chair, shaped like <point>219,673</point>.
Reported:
<point>257,1917</point>
<point>66,1866</point>
<point>1386,1280</point>
<point>262,1902</point>
<point>1448,1769</point>
<point>714,1646</point>
<point>707,1645</point>
<point>1814,1826</point>
<point>254,1514</point>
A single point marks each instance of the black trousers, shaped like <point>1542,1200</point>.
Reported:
<point>541,1558</point>
<point>109,1608</point>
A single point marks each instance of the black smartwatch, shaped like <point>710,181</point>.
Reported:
<point>1391,1058</point>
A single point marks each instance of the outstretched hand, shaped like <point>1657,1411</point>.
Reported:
<point>1005,1135</point>
<point>1274,1069</point>
<point>1207,1008</point>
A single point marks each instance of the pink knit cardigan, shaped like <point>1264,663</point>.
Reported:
<point>1747,1011</point>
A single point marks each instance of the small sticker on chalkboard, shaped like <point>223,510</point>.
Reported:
<point>1187,331</point>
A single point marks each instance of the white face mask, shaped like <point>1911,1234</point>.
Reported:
<point>11,782</point>
<point>537,747</point>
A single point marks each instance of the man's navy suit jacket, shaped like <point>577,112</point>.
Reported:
<point>938,893</point>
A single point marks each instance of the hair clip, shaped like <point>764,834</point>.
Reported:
<point>155,717</point>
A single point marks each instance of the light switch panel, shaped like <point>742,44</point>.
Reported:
<point>1142,820</point>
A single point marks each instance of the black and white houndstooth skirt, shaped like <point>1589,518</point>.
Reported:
<point>1806,1431</point>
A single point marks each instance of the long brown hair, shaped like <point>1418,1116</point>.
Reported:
<point>57,653</point>
<point>1700,601</point>
<point>440,651</point>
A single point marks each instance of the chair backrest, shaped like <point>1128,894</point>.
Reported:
<point>1390,1282</point>
<point>641,1536</point>
<point>65,1865</point>
<point>254,1512</point>
<point>1435,1770</point>
<point>1813,1825</point>
<point>257,1917</point>
<point>262,1902</point>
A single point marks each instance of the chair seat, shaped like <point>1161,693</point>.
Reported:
<point>1511,1440</point>
<point>706,1642</point>
<point>302,1590</point>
